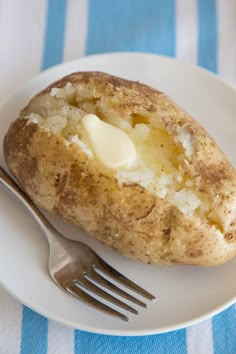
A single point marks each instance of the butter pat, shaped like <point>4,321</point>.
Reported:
<point>111,145</point>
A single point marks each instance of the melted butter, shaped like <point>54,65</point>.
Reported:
<point>110,145</point>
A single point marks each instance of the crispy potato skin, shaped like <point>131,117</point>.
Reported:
<point>127,218</point>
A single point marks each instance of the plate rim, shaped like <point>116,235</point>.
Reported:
<point>29,82</point>
<point>125,333</point>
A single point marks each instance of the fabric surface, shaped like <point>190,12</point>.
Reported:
<point>35,35</point>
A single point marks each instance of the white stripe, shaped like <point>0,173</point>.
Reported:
<point>10,324</point>
<point>76,29</point>
<point>186,30</point>
<point>226,39</point>
<point>21,36</point>
<point>199,338</point>
<point>60,339</point>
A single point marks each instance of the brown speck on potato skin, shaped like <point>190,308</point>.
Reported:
<point>167,232</point>
<point>230,236</point>
<point>194,253</point>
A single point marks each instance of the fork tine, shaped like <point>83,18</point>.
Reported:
<point>120,278</point>
<point>89,300</point>
<point>88,285</point>
<point>97,278</point>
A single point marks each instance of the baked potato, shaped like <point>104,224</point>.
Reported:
<point>174,203</point>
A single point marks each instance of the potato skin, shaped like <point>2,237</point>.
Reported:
<point>128,218</point>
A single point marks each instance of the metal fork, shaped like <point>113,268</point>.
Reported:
<point>77,269</point>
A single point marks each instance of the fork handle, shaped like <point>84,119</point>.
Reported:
<point>16,191</point>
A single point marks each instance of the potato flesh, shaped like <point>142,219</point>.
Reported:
<point>160,155</point>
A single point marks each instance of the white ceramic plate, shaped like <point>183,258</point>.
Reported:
<point>185,294</point>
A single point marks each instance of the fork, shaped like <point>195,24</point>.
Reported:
<point>78,270</point>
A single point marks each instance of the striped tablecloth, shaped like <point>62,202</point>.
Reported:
<point>37,34</point>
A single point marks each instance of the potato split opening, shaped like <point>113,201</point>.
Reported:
<point>162,156</point>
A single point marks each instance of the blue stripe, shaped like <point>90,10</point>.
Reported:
<point>34,333</point>
<point>54,33</point>
<point>207,38</point>
<point>88,343</point>
<point>224,326</point>
<point>127,25</point>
